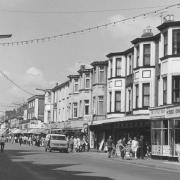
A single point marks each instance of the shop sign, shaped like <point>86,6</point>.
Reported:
<point>157,150</point>
<point>157,113</point>
<point>173,112</point>
<point>167,150</point>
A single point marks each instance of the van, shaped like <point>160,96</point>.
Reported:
<point>56,142</point>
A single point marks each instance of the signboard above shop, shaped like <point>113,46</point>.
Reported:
<point>165,112</point>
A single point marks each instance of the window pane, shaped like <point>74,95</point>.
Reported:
<point>176,41</point>
<point>146,57</point>
<point>101,105</point>
<point>101,76</point>
<point>146,101</point>
<point>117,101</point>
<point>87,83</point>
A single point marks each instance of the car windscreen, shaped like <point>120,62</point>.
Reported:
<point>58,138</point>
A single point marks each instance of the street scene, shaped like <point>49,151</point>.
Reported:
<point>89,90</point>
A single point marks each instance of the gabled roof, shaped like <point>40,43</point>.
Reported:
<point>60,85</point>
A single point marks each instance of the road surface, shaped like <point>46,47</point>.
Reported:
<point>33,163</point>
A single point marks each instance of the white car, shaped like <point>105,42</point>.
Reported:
<point>56,142</point>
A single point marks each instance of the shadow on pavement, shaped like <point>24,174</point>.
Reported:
<point>25,169</point>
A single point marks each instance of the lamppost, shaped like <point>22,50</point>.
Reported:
<point>45,91</point>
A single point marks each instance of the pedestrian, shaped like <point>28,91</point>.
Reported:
<point>122,147</point>
<point>20,140</point>
<point>71,144</point>
<point>110,146</point>
<point>2,142</point>
<point>141,147</point>
<point>134,147</point>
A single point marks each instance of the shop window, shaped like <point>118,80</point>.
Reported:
<point>146,94</point>
<point>177,123</point>
<point>146,54</point>
<point>176,89</point>
<point>156,124</point>
<point>165,43</point>
<point>164,90</point>
<point>165,124</point>
<point>118,101</point>
<point>118,66</point>
<point>176,42</point>
<point>177,136</point>
<point>156,137</point>
<point>165,137</point>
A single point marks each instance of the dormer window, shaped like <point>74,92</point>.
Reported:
<point>176,42</point>
<point>146,54</point>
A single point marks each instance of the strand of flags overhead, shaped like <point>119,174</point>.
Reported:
<point>89,29</point>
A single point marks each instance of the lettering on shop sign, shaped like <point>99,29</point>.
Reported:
<point>157,113</point>
<point>173,112</point>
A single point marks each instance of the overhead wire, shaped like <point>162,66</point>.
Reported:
<point>97,27</point>
<point>76,12</point>
<point>15,84</point>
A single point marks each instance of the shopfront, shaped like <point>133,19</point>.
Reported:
<point>165,131</point>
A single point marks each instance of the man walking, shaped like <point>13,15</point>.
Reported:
<point>2,142</point>
<point>110,146</point>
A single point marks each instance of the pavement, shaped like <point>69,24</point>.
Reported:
<point>33,163</point>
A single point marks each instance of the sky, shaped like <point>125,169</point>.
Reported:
<point>41,65</point>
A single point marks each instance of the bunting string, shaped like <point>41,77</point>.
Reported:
<point>89,29</point>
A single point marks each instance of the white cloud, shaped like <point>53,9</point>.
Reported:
<point>132,28</point>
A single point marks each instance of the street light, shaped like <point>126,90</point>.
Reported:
<point>46,90</point>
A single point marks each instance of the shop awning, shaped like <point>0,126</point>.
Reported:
<point>17,131</point>
<point>122,119</point>
<point>3,131</point>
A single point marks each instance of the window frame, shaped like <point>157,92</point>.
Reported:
<point>87,78</point>
<point>175,89</point>
<point>118,68</point>
<point>75,106</point>
<point>165,35</point>
<point>164,90</point>
<point>146,55</point>
<point>137,95</point>
<point>86,105</point>
<point>117,101</point>
<point>99,102</point>
<point>145,95</point>
<point>173,42</point>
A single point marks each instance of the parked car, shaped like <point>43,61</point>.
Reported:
<point>56,142</point>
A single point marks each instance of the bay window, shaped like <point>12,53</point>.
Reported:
<point>118,66</point>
